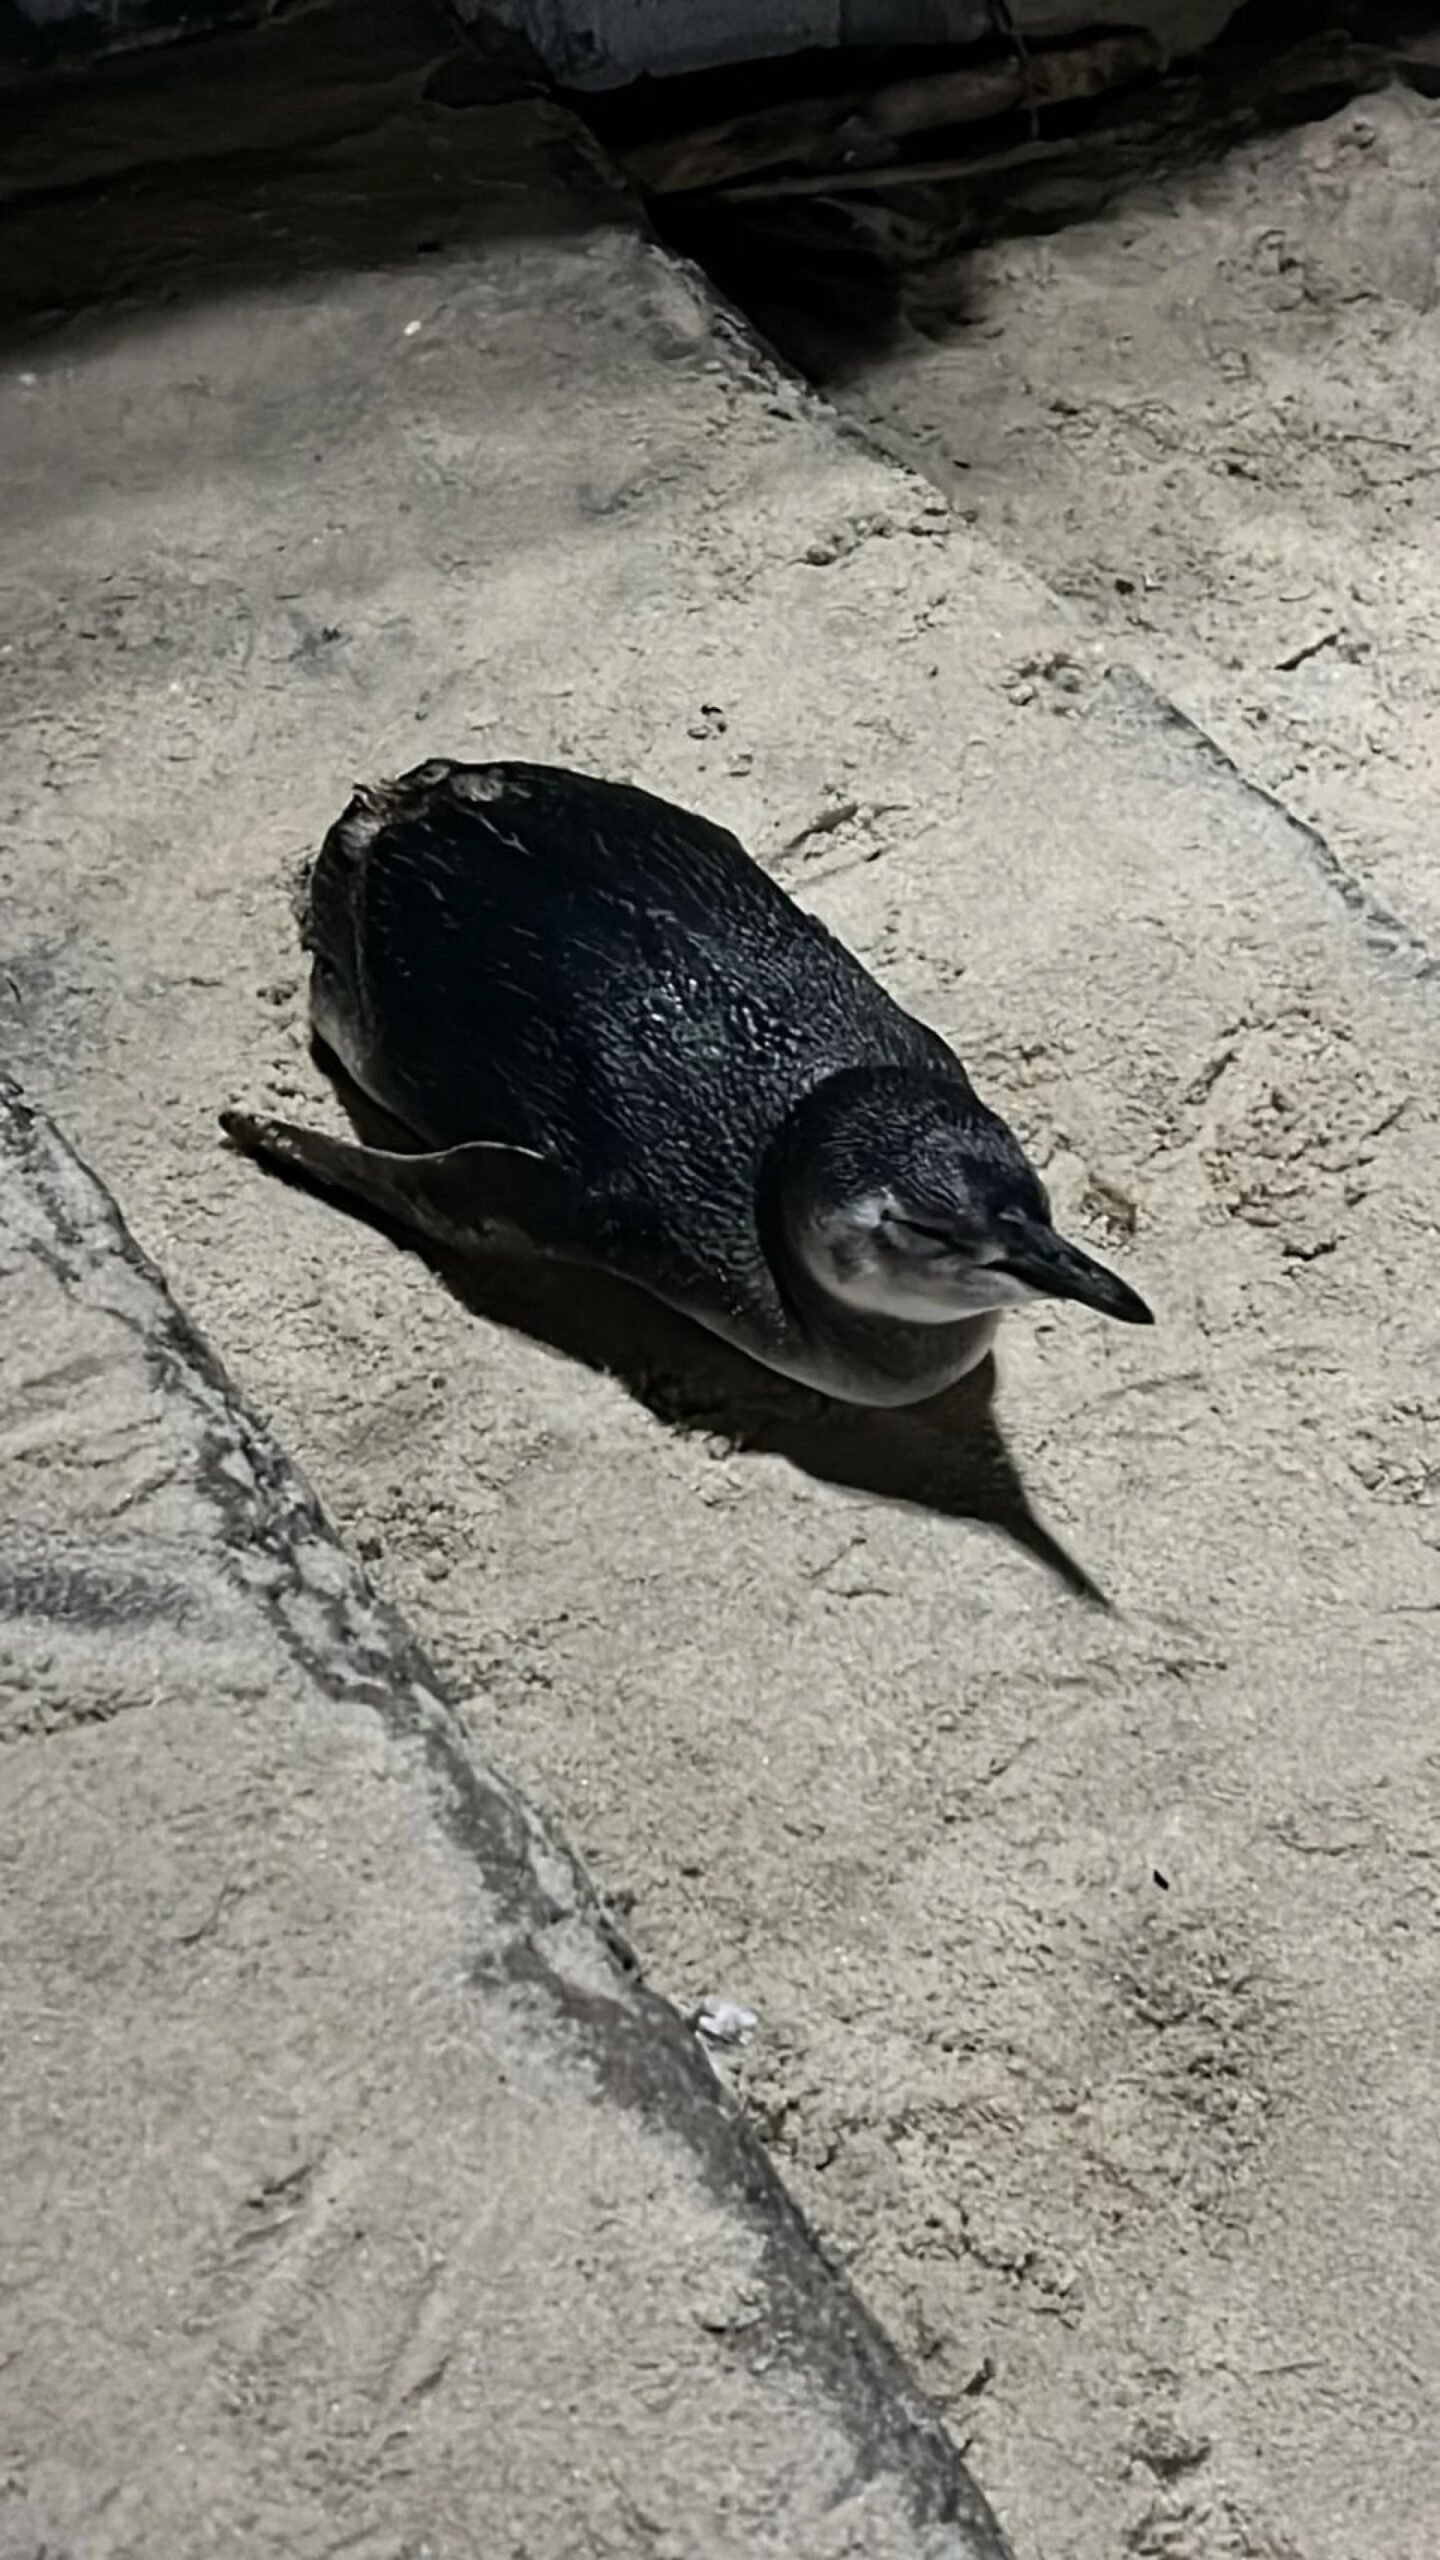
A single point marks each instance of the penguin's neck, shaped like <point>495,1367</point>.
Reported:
<point>854,1352</point>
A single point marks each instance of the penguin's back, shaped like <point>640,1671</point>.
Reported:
<point>513,951</point>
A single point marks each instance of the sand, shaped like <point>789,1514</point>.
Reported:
<point>1092,1952</point>
<point>1209,417</point>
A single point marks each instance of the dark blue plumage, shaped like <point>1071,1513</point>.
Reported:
<point>614,1032</point>
<point>578,966</point>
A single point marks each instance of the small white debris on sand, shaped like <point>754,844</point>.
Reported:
<point>722,2021</point>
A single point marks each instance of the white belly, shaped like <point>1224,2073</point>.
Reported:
<point>830,1372</point>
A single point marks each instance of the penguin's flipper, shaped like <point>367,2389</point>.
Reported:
<point>457,1195</point>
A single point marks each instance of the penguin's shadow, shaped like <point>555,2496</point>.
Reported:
<point>948,1455</point>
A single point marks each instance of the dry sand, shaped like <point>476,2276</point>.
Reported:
<point>354,2193</point>
<point>1094,1953</point>
<point>1210,417</point>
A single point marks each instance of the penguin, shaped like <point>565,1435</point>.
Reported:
<point>613,1036</point>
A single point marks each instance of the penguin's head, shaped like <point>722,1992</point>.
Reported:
<point>904,1197</point>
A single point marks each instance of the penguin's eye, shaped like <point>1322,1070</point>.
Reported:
<point>924,1242</point>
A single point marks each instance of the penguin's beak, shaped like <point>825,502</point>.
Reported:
<point>1053,1267</point>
